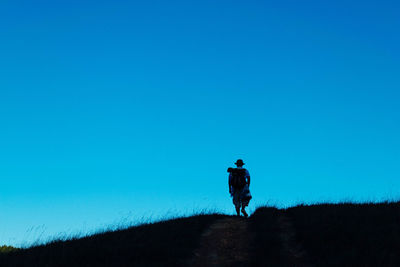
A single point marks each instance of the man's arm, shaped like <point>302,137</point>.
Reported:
<point>248,177</point>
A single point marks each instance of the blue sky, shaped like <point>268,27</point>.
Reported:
<point>129,110</point>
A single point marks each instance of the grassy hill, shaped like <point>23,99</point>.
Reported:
<point>316,235</point>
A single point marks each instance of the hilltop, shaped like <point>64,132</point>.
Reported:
<point>344,234</point>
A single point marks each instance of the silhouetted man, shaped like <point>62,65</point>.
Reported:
<point>239,183</point>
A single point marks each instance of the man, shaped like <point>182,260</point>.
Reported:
<point>239,183</point>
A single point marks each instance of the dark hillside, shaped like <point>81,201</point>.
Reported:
<point>167,243</point>
<point>267,248</point>
<point>316,235</point>
<point>349,234</point>
<point>275,243</point>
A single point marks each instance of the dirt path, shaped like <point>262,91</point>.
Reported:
<point>225,243</point>
<point>295,253</point>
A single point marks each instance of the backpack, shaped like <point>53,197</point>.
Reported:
<point>238,179</point>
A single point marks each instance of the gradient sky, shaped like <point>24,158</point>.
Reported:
<point>124,111</point>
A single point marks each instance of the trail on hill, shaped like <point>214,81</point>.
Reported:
<point>294,252</point>
<point>225,243</point>
<point>228,242</point>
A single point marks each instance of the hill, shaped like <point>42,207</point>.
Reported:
<point>344,234</point>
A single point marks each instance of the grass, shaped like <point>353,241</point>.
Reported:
<point>342,234</point>
<point>7,249</point>
<point>349,234</point>
<point>166,243</point>
<point>267,247</point>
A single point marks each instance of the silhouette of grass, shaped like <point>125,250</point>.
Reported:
<point>342,234</point>
<point>7,249</point>
<point>267,248</point>
<point>166,243</point>
<point>349,234</point>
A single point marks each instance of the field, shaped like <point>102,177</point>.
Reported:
<point>344,234</point>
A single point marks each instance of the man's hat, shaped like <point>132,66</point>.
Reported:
<point>239,162</point>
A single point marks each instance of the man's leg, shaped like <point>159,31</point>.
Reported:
<point>236,202</point>
<point>237,210</point>
<point>244,211</point>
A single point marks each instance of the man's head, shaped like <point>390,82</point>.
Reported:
<point>239,163</point>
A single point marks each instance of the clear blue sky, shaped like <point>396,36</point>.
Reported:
<point>114,110</point>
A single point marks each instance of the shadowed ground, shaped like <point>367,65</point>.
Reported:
<point>239,242</point>
<point>167,243</point>
<point>318,235</point>
<point>225,243</point>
